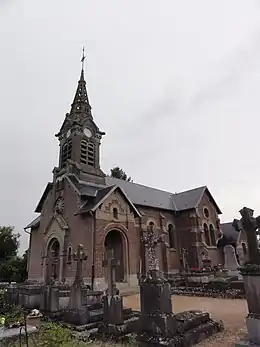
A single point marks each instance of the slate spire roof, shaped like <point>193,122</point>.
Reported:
<point>81,103</point>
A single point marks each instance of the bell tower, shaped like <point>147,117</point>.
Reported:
<point>80,138</point>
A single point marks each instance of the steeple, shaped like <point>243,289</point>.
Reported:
<point>80,103</point>
<point>80,137</point>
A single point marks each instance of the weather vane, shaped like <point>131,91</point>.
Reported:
<point>83,57</point>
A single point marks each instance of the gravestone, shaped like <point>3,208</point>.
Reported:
<point>242,253</point>
<point>77,313</point>
<point>49,302</point>
<point>155,295</point>
<point>113,302</point>
<point>251,276</point>
<point>231,263</point>
<point>184,261</point>
<point>158,326</point>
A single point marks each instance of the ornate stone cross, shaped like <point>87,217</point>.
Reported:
<point>249,224</point>
<point>110,263</point>
<point>151,239</point>
<point>79,257</point>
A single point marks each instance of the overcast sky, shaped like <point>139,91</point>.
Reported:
<point>175,84</point>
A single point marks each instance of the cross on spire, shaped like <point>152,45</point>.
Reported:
<point>83,58</point>
<point>80,103</point>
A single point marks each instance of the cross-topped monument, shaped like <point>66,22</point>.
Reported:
<point>250,225</point>
<point>79,257</point>
<point>110,263</point>
<point>151,239</point>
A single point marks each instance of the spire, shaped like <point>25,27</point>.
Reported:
<point>80,103</point>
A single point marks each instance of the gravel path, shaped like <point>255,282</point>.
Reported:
<point>231,312</point>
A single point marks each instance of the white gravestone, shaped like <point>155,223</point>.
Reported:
<point>231,263</point>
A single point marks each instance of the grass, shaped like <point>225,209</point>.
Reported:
<point>54,335</point>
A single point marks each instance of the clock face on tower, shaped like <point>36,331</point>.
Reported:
<point>87,132</point>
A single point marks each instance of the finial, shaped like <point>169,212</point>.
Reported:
<point>83,58</point>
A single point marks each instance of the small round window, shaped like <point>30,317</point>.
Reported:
<point>206,212</point>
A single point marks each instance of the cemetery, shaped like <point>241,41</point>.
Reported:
<point>76,315</point>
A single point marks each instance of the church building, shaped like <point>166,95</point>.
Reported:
<point>81,205</point>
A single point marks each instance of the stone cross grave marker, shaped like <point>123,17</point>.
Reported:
<point>249,224</point>
<point>184,254</point>
<point>110,263</point>
<point>79,257</point>
<point>151,239</point>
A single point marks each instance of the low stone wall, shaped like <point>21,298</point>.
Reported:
<point>215,287</point>
<point>209,292</point>
<point>30,296</point>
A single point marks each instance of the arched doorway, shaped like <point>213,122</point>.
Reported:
<point>115,241</point>
<point>53,261</point>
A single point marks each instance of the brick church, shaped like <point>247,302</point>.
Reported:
<point>84,206</point>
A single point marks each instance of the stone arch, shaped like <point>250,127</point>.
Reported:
<point>117,240</point>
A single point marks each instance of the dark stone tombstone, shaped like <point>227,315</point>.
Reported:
<point>158,326</point>
<point>156,317</point>
<point>184,261</point>
<point>113,302</point>
<point>251,275</point>
<point>78,312</point>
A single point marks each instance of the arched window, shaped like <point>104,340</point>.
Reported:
<point>212,235</point>
<point>206,234</point>
<point>87,153</point>
<point>91,154</point>
<point>83,151</point>
<point>69,255</point>
<point>66,151</point>
<point>115,213</point>
<point>171,235</point>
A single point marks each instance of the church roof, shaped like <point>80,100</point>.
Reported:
<point>229,231</point>
<point>102,194</point>
<point>34,223</point>
<point>152,197</point>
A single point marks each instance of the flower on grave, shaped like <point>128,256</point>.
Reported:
<point>2,321</point>
<point>35,312</point>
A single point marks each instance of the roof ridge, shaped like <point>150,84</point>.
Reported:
<point>160,190</point>
<point>189,190</point>
<point>139,184</point>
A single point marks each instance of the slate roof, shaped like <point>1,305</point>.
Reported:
<point>143,195</point>
<point>152,197</point>
<point>229,232</point>
<point>102,194</point>
<point>138,194</point>
<point>90,204</point>
<point>33,223</point>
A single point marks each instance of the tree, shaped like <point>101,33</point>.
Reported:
<point>9,242</point>
<point>12,267</point>
<point>120,174</point>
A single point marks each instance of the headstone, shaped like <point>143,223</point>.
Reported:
<point>78,312</point>
<point>158,326</point>
<point>231,263</point>
<point>113,302</point>
<point>242,253</point>
<point>49,299</point>
<point>110,263</point>
<point>251,276</point>
<point>184,260</point>
<point>155,294</point>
